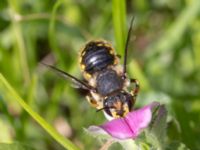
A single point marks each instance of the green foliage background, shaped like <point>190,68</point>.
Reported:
<point>164,55</point>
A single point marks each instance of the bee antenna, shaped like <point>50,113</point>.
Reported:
<point>104,108</point>
<point>101,109</point>
<point>126,46</point>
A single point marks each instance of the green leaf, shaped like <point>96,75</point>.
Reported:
<point>20,44</point>
<point>14,146</point>
<point>177,146</point>
<point>156,134</point>
<point>52,26</point>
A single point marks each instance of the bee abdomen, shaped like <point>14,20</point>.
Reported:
<point>97,58</point>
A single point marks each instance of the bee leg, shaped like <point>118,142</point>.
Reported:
<point>92,101</point>
<point>135,91</point>
<point>119,56</point>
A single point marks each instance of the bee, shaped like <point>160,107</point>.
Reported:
<point>105,79</point>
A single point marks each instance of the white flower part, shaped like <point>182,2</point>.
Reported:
<point>108,117</point>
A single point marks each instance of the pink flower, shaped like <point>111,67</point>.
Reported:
<point>129,126</point>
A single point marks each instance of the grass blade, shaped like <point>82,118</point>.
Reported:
<point>119,24</point>
<point>175,33</point>
<point>47,127</point>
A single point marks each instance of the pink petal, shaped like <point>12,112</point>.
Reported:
<point>118,128</point>
<point>131,125</point>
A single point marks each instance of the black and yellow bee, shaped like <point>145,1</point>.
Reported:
<point>106,79</point>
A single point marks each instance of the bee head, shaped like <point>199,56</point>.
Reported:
<point>118,105</point>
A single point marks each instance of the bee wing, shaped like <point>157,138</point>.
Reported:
<point>77,85</point>
<point>76,82</point>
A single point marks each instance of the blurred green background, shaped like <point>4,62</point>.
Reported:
<point>164,55</point>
